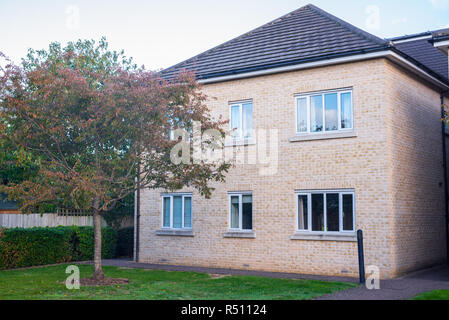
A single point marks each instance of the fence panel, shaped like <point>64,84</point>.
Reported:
<point>46,220</point>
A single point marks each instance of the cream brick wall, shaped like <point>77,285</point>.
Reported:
<point>369,164</point>
<point>416,172</point>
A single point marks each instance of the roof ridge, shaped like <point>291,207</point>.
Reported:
<point>410,36</point>
<point>348,26</point>
<point>236,38</point>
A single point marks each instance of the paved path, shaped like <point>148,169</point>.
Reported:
<point>396,289</point>
<point>400,288</point>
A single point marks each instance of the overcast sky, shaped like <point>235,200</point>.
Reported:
<point>159,34</point>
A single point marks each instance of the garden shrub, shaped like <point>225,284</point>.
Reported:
<point>84,243</point>
<point>125,242</point>
<point>21,247</point>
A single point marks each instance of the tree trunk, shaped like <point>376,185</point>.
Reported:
<point>98,271</point>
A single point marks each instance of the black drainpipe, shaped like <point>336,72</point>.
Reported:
<point>446,195</point>
<point>137,211</point>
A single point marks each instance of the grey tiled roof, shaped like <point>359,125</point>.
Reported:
<point>424,52</point>
<point>306,34</point>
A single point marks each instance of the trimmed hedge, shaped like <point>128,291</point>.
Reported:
<point>125,242</point>
<point>21,247</point>
<point>35,246</point>
<point>84,243</point>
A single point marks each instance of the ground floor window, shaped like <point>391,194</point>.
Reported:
<point>177,211</point>
<point>325,211</point>
<point>241,211</point>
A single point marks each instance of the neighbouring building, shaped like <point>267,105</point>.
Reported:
<point>334,130</point>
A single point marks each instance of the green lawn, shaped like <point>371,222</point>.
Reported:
<point>433,295</point>
<point>48,283</point>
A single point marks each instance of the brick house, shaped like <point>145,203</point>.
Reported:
<point>356,142</point>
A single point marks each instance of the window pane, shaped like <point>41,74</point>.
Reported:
<point>331,107</point>
<point>234,212</point>
<point>316,113</point>
<point>348,212</point>
<point>248,120</point>
<point>333,216</point>
<point>317,212</point>
<point>247,212</point>
<point>235,121</point>
<point>302,115</point>
<point>177,212</point>
<point>303,222</point>
<point>346,111</point>
<point>166,211</point>
<point>187,212</point>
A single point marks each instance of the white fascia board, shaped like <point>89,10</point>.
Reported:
<point>442,46</point>
<point>322,63</point>
<point>444,43</point>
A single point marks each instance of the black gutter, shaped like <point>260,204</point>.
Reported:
<point>446,187</point>
<point>440,38</point>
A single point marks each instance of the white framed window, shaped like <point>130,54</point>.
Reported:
<point>241,211</point>
<point>176,211</point>
<point>324,112</point>
<point>330,211</point>
<point>241,120</point>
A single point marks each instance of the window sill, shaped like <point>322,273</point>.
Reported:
<point>323,136</point>
<point>240,143</point>
<point>175,233</point>
<point>349,237</point>
<point>240,234</point>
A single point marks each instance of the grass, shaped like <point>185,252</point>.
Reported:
<point>48,283</point>
<point>433,295</point>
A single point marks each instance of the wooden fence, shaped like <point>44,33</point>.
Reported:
<point>45,220</point>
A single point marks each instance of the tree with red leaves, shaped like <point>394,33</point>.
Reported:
<point>93,119</point>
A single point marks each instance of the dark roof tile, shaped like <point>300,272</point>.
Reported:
<point>306,34</point>
<point>303,34</point>
<point>424,52</point>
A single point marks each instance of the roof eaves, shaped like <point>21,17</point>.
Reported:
<point>291,63</point>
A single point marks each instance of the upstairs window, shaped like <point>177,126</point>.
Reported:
<point>241,120</point>
<point>324,112</point>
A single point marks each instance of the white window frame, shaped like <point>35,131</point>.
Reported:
<point>307,96</point>
<point>240,195</point>
<point>309,193</point>
<point>240,104</point>
<point>171,195</point>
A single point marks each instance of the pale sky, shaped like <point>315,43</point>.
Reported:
<point>159,34</point>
